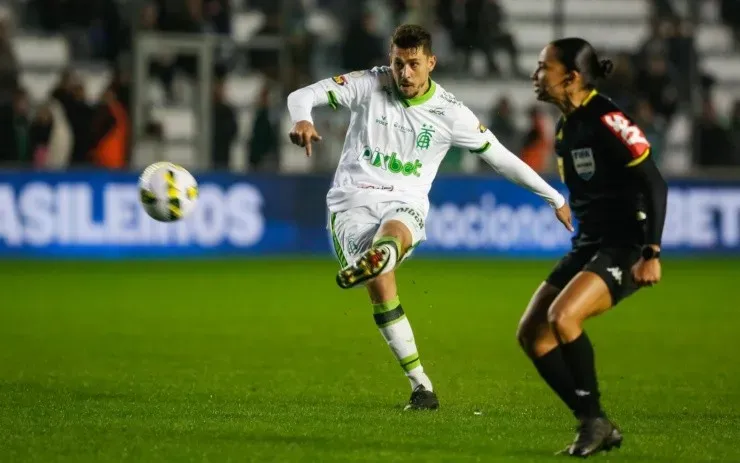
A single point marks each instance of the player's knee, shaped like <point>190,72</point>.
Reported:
<point>531,329</point>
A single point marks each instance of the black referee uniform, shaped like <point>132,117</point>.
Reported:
<point>617,194</point>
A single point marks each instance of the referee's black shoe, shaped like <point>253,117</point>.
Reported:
<point>422,399</point>
<point>595,435</point>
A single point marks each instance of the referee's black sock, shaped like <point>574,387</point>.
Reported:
<point>555,372</point>
<point>579,355</point>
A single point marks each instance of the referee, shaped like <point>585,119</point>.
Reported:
<point>618,197</point>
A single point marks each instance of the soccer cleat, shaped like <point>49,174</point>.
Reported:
<point>614,441</point>
<point>595,435</point>
<point>422,399</point>
<point>369,266</point>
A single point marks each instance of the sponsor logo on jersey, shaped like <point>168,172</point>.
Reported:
<point>424,139</point>
<point>628,132</point>
<point>414,215</point>
<point>382,120</point>
<point>403,129</point>
<point>584,163</point>
<point>437,111</point>
<point>369,186</point>
<point>392,163</point>
<point>450,98</point>
<point>339,80</point>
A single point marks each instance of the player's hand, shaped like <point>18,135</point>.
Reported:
<point>303,134</point>
<point>646,272</point>
<point>563,215</point>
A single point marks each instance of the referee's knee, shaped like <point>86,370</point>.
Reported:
<point>563,320</point>
<point>527,334</point>
<point>522,335</point>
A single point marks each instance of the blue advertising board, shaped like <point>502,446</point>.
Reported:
<point>97,215</point>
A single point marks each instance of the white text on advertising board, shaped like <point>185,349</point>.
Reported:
<point>40,214</point>
<point>697,218</point>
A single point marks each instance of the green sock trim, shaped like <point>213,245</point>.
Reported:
<point>388,313</point>
<point>391,321</point>
<point>387,306</point>
<point>410,362</point>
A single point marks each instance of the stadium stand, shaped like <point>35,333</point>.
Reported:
<point>610,25</point>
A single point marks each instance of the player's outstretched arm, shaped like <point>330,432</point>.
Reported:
<point>344,90</point>
<point>510,166</point>
<point>470,134</point>
<point>514,169</point>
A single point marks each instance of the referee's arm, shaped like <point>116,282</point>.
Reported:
<point>628,142</point>
<point>650,182</point>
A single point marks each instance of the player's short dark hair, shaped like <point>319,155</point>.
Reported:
<point>578,55</point>
<point>408,36</point>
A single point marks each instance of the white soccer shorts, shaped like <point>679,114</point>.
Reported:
<point>352,231</point>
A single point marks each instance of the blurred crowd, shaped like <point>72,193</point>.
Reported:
<point>652,83</point>
<point>70,128</point>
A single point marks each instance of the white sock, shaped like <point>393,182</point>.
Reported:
<point>396,330</point>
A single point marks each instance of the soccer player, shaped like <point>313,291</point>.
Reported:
<point>618,197</point>
<point>402,124</point>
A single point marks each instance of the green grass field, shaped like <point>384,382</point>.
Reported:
<point>269,361</point>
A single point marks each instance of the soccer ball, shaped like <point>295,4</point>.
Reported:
<point>167,191</point>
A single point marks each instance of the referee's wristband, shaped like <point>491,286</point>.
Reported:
<point>649,252</point>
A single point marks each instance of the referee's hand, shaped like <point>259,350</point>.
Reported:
<point>303,134</point>
<point>646,272</point>
<point>563,215</point>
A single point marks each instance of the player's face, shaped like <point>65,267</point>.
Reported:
<point>411,68</point>
<point>550,76</point>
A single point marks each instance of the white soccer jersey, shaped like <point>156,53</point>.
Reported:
<point>394,146</point>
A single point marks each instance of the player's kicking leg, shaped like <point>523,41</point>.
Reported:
<point>389,246</point>
<point>399,231</point>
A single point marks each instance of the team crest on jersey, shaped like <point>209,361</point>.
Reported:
<point>482,128</point>
<point>339,80</point>
<point>584,163</point>
<point>424,139</point>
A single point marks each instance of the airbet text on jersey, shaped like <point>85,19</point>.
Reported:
<point>392,163</point>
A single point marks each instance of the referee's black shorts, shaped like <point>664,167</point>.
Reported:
<point>612,263</point>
